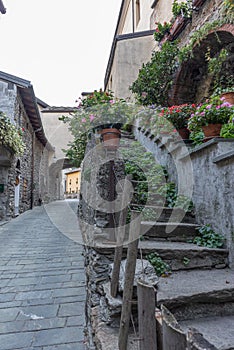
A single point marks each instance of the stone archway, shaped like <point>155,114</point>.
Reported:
<point>192,83</point>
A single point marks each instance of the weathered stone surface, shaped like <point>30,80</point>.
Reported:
<point>143,270</point>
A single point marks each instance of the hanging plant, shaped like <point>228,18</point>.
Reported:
<point>10,135</point>
<point>156,76</point>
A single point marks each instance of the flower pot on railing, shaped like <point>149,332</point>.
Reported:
<point>211,131</point>
<point>184,133</point>
<point>111,138</point>
<point>178,26</point>
<point>198,3</point>
<point>228,97</point>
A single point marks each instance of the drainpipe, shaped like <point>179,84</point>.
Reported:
<point>32,171</point>
<point>33,165</point>
<point>133,16</point>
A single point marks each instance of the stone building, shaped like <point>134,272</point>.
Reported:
<point>133,45</point>
<point>58,134</point>
<point>192,290</point>
<point>24,178</point>
<point>73,177</point>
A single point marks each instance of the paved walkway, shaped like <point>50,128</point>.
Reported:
<point>42,283</point>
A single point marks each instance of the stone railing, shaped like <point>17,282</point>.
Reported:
<point>205,172</point>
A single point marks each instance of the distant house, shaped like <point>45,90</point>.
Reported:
<point>73,181</point>
<point>23,178</point>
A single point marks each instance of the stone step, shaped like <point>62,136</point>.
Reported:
<point>177,232</point>
<point>203,300</point>
<point>163,214</point>
<point>186,256</point>
<point>179,255</point>
<point>218,330</point>
<point>196,286</point>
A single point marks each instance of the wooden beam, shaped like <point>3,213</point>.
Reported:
<point>146,300</point>
<point>129,279</point>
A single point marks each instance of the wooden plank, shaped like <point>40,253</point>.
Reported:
<point>129,279</point>
<point>146,299</point>
<point>120,239</point>
<point>173,336</point>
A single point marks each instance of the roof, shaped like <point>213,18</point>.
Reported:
<point>29,100</point>
<point>61,109</point>
<point>42,103</point>
<point>2,8</point>
<point>73,171</point>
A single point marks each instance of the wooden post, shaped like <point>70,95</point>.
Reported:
<point>173,336</point>
<point>129,279</point>
<point>146,299</point>
<point>119,240</point>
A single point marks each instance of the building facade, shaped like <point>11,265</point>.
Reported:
<point>73,178</point>
<point>134,42</point>
<point>24,177</point>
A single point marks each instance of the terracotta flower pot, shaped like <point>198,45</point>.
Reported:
<point>178,26</point>
<point>211,130</point>
<point>198,3</point>
<point>184,133</point>
<point>110,138</point>
<point>228,97</point>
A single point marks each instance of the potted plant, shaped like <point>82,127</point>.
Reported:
<point>182,13</point>
<point>162,32</point>
<point>178,116</point>
<point>95,114</point>
<point>210,116</point>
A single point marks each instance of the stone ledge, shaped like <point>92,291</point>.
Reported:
<point>205,145</point>
<point>224,156</point>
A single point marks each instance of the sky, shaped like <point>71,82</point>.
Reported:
<point>61,46</point>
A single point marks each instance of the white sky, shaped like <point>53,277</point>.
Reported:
<point>61,46</point>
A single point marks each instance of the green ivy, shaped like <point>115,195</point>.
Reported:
<point>160,266</point>
<point>208,237</point>
<point>156,76</point>
<point>10,135</point>
<point>227,130</point>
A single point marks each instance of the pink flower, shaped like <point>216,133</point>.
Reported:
<point>112,102</point>
<point>91,117</point>
<point>226,104</point>
<point>208,106</point>
<point>83,120</point>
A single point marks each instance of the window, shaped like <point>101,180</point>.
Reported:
<point>70,182</point>
<point>138,13</point>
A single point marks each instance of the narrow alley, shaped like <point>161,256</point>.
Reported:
<point>42,284</point>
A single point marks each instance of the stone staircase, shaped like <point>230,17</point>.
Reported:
<point>199,291</point>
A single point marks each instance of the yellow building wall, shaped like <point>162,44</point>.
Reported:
<point>73,182</point>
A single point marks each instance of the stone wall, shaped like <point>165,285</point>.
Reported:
<point>211,168</point>
<point>31,168</point>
